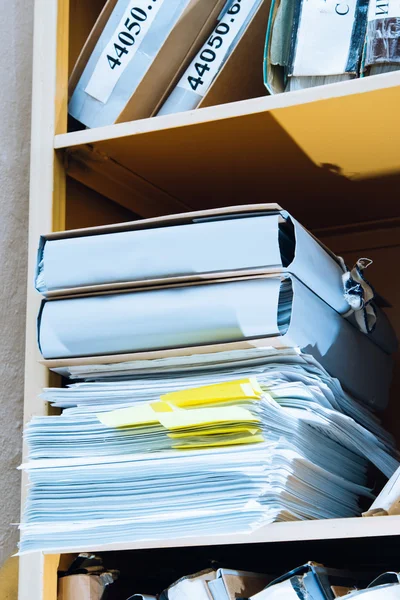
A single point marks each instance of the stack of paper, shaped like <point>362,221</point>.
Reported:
<point>95,473</point>
<point>91,501</point>
<point>294,386</point>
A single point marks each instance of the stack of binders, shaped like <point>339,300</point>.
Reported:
<point>241,277</point>
<point>229,363</point>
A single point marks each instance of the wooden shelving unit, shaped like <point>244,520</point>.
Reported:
<point>330,155</point>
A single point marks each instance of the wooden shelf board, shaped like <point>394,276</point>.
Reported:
<point>278,532</point>
<point>335,147</point>
<point>333,92</point>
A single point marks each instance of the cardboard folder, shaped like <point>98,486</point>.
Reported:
<point>195,318</point>
<point>312,581</point>
<point>230,584</point>
<point>84,587</point>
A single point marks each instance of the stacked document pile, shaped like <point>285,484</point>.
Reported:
<point>276,444</point>
<point>224,386</point>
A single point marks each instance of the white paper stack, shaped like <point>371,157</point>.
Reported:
<point>91,484</point>
<point>86,502</point>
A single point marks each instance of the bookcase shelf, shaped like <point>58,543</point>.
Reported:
<point>318,144</point>
<point>330,155</point>
<point>329,529</point>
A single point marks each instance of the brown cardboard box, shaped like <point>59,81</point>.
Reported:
<point>80,587</point>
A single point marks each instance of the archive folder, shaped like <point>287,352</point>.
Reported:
<point>259,311</point>
<point>206,65</point>
<point>311,581</point>
<point>134,54</point>
<point>230,584</point>
<point>311,43</point>
<point>241,240</point>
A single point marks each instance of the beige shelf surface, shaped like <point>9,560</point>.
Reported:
<point>40,569</point>
<point>329,529</point>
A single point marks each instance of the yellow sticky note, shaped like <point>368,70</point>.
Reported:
<point>221,392</point>
<point>179,419</point>
<point>142,414</point>
<point>215,431</point>
<point>208,443</point>
<point>161,407</point>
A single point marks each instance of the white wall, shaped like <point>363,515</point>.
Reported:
<point>16,24</point>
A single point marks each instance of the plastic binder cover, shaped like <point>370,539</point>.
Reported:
<point>241,240</point>
<point>206,65</point>
<point>133,56</point>
<point>258,311</point>
<point>244,240</point>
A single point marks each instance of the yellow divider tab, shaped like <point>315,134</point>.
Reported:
<point>231,390</point>
<point>142,414</point>
<point>179,419</point>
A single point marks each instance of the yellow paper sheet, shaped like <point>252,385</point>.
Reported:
<point>228,391</point>
<point>255,439</point>
<point>179,419</point>
<point>214,431</point>
<point>143,414</point>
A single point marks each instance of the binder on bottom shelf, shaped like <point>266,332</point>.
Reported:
<point>248,312</point>
<point>223,584</point>
<point>311,581</point>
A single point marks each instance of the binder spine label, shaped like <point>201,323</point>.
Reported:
<point>383,34</point>
<point>206,65</point>
<point>122,47</point>
<point>383,9</point>
<point>330,36</point>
